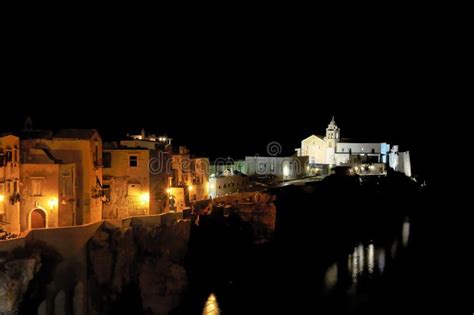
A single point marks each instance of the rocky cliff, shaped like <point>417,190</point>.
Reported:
<point>15,276</point>
<point>24,274</point>
<point>139,268</point>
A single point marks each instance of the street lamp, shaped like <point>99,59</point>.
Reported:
<point>53,202</point>
<point>145,198</point>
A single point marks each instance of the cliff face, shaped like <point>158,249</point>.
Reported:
<point>15,276</point>
<point>138,268</point>
<point>24,275</point>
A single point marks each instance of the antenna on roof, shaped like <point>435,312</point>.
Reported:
<point>28,126</point>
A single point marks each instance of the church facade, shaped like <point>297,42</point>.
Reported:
<point>332,150</point>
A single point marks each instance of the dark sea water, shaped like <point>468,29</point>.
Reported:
<point>340,247</point>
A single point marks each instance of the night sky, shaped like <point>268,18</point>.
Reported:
<point>230,99</point>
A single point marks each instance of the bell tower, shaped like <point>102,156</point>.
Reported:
<point>331,139</point>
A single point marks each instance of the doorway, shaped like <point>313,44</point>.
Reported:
<point>38,219</point>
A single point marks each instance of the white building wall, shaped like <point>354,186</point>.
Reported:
<point>400,161</point>
<point>342,158</point>
<point>315,148</point>
<point>405,163</point>
<point>357,148</point>
<point>223,185</point>
<point>284,168</point>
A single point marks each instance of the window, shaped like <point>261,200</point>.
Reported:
<point>15,187</point>
<point>16,156</point>
<point>67,187</point>
<point>106,192</point>
<point>36,187</point>
<point>107,157</point>
<point>133,161</point>
<point>373,150</point>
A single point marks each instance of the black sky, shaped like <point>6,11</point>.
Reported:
<point>229,95</point>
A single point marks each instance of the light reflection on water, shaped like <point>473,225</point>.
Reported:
<point>381,260</point>
<point>369,260</point>
<point>361,261</point>
<point>211,307</point>
<point>330,280</point>
<point>405,233</point>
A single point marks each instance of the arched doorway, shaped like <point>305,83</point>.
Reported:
<point>38,219</point>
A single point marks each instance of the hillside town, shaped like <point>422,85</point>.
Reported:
<point>73,177</point>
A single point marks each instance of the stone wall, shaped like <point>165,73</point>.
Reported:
<point>257,208</point>
<point>61,270</point>
<point>121,205</point>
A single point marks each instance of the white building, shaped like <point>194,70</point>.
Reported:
<point>282,168</point>
<point>332,150</point>
<point>223,185</point>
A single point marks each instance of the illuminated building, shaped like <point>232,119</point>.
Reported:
<point>333,150</point>
<point>281,168</point>
<point>10,183</point>
<point>190,180</point>
<point>81,149</point>
<point>226,184</point>
<point>136,172</point>
<point>48,197</point>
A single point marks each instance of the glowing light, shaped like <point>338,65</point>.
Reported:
<point>211,307</point>
<point>381,260</point>
<point>360,252</point>
<point>286,170</point>
<point>190,187</point>
<point>371,258</point>
<point>53,202</point>
<point>405,233</point>
<point>168,190</point>
<point>145,198</point>
<point>2,198</point>
<point>330,278</point>
<point>354,266</point>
